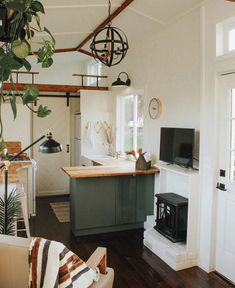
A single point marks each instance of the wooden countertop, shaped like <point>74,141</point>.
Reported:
<point>105,171</point>
<point>13,169</point>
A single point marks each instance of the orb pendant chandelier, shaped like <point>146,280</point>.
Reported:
<point>109,44</point>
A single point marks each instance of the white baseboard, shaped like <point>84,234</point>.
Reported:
<point>52,193</point>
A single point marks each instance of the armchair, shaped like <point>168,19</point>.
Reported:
<point>14,268</point>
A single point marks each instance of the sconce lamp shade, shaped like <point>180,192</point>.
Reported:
<point>50,145</point>
<point>120,83</point>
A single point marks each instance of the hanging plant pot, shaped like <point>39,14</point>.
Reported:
<point>5,26</point>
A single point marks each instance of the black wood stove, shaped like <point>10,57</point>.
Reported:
<point>172,214</point>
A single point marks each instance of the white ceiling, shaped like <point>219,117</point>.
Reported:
<point>71,21</point>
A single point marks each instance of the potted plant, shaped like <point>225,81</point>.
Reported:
<point>20,23</point>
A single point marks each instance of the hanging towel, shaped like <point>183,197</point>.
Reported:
<point>52,265</point>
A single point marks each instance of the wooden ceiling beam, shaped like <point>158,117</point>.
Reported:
<point>52,88</point>
<point>62,50</point>
<point>105,22</point>
<point>86,52</point>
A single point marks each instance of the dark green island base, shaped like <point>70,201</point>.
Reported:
<point>108,204</point>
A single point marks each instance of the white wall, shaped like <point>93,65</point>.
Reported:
<point>65,64</point>
<point>96,106</point>
<point>166,65</point>
<point>16,130</point>
<point>50,179</point>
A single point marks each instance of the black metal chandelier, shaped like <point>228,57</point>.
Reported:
<point>109,44</point>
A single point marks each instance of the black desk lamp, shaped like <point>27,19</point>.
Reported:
<point>48,146</point>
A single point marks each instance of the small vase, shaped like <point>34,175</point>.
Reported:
<point>110,150</point>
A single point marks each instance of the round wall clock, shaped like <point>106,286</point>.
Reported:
<point>155,108</point>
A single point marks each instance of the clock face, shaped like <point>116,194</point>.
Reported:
<point>155,108</point>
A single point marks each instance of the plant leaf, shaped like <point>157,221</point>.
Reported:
<point>13,105</point>
<point>13,205</point>
<point>22,34</point>
<point>45,53</point>
<point>53,39</point>
<point>37,7</point>
<point>43,111</point>
<point>19,5</point>
<point>20,48</point>
<point>30,95</point>
<point>26,64</point>
<point>47,63</point>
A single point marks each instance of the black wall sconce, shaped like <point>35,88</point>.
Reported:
<point>120,83</point>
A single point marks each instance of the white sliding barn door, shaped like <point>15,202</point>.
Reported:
<point>18,129</point>
<point>50,179</point>
<point>225,237</point>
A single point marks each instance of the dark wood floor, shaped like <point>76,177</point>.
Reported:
<point>135,266</point>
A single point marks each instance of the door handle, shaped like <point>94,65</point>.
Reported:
<point>67,148</point>
<point>221,187</point>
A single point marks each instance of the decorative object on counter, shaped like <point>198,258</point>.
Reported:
<point>143,162</point>
<point>121,83</point>
<point>20,23</point>
<point>132,152</point>
<point>155,108</point>
<point>109,44</point>
<point>48,146</point>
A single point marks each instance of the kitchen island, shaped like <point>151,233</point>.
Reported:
<point>110,196</point>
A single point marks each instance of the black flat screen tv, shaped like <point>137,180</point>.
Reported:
<point>176,146</point>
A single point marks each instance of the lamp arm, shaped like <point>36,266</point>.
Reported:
<point>22,151</point>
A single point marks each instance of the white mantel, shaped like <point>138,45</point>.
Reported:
<point>184,182</point>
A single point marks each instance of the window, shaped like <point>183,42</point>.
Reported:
<point>231,39</point>
<point>130,122</point>
<point>225,37</point>
<point>93,68</point>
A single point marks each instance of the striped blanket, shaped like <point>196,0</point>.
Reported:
<point>52,265</point>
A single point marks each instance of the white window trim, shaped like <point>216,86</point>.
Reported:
<point>90,80</point>
<point>222,37</point>
<point>119,103</point>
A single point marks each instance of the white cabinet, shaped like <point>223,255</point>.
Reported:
<point>184,182</point>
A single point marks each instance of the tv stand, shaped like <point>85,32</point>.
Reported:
<point>184,182</point>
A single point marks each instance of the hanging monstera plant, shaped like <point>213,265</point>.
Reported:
<point>20,23</point>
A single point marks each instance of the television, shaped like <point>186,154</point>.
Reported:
<point>176,146</point>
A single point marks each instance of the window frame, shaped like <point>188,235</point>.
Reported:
<point>91,64</point>
<point>222,37</point>
<point>120,132</point>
